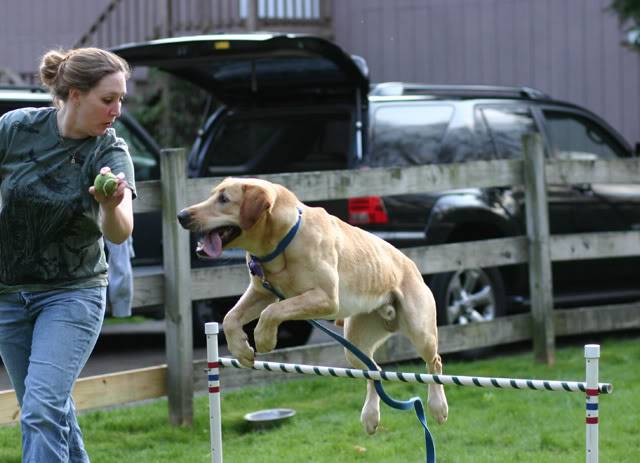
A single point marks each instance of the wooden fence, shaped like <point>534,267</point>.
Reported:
<point>179,284</point>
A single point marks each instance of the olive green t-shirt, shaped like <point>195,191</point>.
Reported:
<point>50,235</point>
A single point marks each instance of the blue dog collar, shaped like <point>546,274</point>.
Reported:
<point>283,244</point>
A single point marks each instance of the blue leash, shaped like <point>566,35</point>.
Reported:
<point>415,402</point>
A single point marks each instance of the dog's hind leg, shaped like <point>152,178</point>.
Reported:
<point>367,332</point>
<point>417,321</point>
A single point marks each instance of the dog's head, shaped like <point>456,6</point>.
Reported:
<point>234,207</point>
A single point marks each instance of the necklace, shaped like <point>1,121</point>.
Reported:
<point>70,144</point>
<point>74,148</point>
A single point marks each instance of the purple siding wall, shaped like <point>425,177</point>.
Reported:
<point>570,49</point>
<point>28,28</point>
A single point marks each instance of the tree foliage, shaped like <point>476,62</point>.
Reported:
<point>627,10</point>
<point>170,109</point>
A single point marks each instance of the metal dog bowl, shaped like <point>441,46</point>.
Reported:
<point>269,418</point>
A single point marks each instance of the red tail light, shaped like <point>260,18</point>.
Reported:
<point>367,210</point>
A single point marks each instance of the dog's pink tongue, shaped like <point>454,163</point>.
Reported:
<point>212,245</point>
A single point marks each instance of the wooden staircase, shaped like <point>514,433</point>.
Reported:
<point>126,21</point>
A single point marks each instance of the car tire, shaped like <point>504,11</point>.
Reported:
<point>469,296</point>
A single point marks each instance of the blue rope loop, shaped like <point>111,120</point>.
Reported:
<point>414,402</point>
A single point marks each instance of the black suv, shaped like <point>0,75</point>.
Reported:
<point>422,124</point>
<point>287,103</point>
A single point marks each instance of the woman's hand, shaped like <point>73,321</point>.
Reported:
<point>112,201</point>
<point>116,211</point>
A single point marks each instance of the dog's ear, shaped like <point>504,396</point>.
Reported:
<point>255,202</point>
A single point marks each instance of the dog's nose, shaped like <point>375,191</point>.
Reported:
<point>184,217</point>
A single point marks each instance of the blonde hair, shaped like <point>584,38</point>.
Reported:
<point>80,68</point>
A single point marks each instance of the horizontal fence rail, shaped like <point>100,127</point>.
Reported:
<point>151,383</point>
<point>405,377</point>
<point>311,186</point>
<point>341,184</point>
<point>232,280</point>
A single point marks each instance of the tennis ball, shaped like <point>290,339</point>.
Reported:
<point>106,184</point>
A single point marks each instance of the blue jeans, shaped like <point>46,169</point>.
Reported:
<point>45,340</point>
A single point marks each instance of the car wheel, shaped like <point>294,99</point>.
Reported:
<point>469,296</point>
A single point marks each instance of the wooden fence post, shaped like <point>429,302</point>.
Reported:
<point>177,285</point>
<point>540,281</point>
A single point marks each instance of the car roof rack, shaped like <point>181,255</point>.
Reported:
<point>412,89</point>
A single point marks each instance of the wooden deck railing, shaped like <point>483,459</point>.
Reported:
<point>126,21</point>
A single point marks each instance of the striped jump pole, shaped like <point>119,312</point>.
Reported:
<point>592,356</point>
<point>396,376</point>
<point>592,388</point>
<point>213,377</point>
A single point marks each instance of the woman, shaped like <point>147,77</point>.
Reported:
<point>53,272</point>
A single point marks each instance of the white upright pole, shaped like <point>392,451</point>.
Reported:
<point>215,416</point>
<point>592,356</point>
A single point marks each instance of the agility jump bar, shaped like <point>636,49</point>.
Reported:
<point>382,375</point>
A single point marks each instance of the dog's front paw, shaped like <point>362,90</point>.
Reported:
<point>265,336</point>
<point>242,351</point>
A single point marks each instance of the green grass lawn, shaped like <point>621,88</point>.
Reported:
<point>484,425</point>
<point>135,320</point>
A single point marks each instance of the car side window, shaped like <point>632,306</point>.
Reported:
<point>507,125</point>
<point>145,164</point>
<point>576,137</point>
<point>408,135</point>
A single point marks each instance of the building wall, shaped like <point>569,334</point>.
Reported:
<point>28,28</point>
<point>570,49</point>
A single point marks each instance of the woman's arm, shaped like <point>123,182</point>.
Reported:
<point>116,211</point>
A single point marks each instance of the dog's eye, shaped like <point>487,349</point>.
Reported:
<point>222,199</point>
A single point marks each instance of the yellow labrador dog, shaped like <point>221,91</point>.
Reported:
<point>328,270</point>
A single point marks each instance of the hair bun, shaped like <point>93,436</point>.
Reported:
<point>50,66</point>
